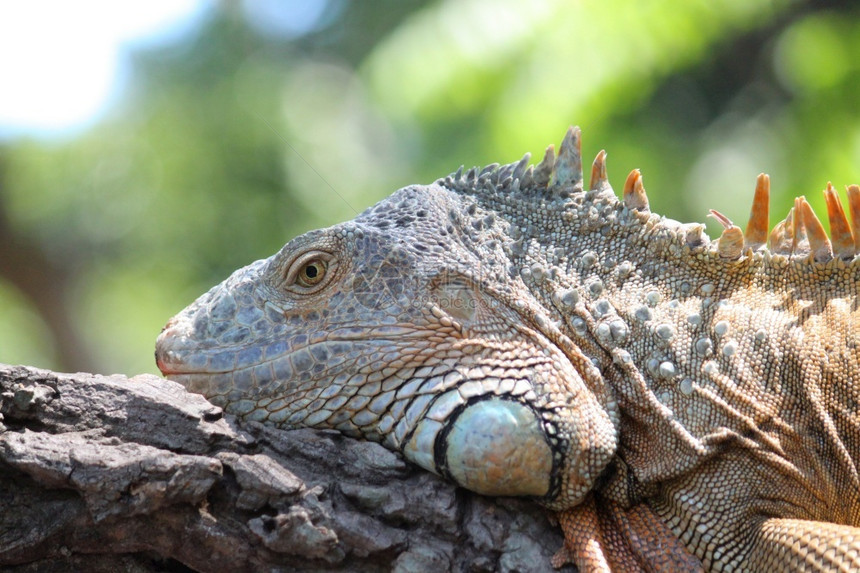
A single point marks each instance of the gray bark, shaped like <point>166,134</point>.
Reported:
<point>108,473</point>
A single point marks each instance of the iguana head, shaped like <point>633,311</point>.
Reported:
<point>409,326</point>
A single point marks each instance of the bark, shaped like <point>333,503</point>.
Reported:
<point>108,473</point>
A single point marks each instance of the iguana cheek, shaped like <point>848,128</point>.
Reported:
<point>492,446</point>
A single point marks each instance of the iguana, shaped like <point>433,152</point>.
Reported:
<point>678,402</point>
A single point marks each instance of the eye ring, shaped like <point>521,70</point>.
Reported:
<point>310,272</point>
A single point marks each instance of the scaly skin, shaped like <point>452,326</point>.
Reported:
<point>519,335</point>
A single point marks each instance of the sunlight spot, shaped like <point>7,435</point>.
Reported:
<point>60,60</point>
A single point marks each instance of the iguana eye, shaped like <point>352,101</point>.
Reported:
<point>309,272</point>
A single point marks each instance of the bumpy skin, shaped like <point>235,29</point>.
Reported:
<point>508,330</point>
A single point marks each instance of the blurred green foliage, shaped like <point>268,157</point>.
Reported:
<point>234,140</point>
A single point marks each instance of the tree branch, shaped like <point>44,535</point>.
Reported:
<point>107,473</point>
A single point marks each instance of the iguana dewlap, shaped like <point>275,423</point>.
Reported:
<point>513,332</point>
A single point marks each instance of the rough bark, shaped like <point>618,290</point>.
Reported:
<point>108,473</point>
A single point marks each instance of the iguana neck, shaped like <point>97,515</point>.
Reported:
<point>673,327</point>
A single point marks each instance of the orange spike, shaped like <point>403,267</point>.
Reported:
<point>759,222</point>
<point>731,242</point>
<point>788,235</point>
<point>799,241</point>
<point>781,237</point>
<point>854,207</point>
<point>631,181</point>
<point>599,179</point>
<point>818,241</point>
<point>840,231</point>
<point>634,192</point>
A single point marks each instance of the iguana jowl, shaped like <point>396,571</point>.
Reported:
<point>509,330</point>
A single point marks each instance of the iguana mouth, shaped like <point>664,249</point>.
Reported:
<point>177,352</point>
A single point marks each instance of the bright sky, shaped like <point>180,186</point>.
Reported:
<point>60,61</point>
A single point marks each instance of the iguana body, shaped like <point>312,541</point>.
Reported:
<point>510,331</point>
